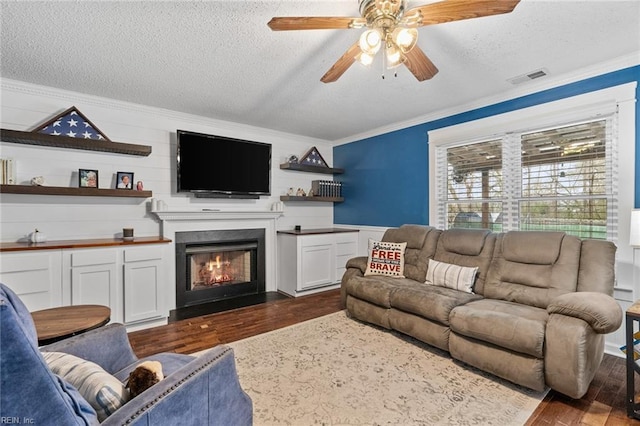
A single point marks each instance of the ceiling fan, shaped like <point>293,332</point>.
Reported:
<point>391,27</point>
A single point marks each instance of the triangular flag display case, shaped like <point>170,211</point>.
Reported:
<point>312,162</point>
<point>313,158</point>
<point>72,123</point>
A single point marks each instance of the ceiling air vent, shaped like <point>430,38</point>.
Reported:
<point>529,76</point>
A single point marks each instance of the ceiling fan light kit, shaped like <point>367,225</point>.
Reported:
<point>390,27</point>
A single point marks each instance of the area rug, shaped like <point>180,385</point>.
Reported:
<point>334,370</point>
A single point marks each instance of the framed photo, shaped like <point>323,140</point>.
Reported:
<point>87,178</point>
<point>124,180</point>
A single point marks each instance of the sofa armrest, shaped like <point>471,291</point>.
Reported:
<point>359,262</point>
<point>355,268</point>
<point>599,310</point>
<point>204,392</point>
<point>108,347</point>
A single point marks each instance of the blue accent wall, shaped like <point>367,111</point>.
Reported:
<point>386,179</point>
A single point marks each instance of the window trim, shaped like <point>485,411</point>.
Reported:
<point>573,109</point>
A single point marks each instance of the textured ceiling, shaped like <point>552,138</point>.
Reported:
<point>219,59</point>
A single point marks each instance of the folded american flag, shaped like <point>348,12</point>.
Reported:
<point>313,158</point>
<point>72,123</point>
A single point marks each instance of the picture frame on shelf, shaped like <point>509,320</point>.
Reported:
<point>124,180</point>
<point>87,178</point>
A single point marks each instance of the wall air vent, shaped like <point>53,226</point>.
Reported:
<point>529,76</point>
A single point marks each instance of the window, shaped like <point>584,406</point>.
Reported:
<point>559,179</point>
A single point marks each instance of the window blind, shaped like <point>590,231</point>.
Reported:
<point>558,178</point>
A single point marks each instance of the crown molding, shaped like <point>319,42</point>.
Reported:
<point>225,126</point>
<point>523,90</point>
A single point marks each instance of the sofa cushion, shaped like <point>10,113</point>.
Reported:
<point>376,289</point>
<point>385,258</point>
<point>443,274</point>
<point>431,302</point>
<point>531,247</point>
<point>464,241</point>
<point>472,248</point>
<point>520,328</point>
<point>421,246</point>
<point>104,392</point>
<point>533,281</point>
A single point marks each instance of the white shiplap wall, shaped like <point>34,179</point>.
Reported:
<point>24,106</point>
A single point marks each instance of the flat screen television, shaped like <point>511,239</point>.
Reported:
<point>212,166</point>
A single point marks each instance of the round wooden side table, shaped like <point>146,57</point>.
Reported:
<point>60,323</point>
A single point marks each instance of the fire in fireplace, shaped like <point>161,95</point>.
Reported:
<point>219,264</point>
<point>216,266</point>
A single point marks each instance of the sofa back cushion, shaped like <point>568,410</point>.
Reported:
<point>597,266</point>
<point>471,248</point>
<point>533,267</point>
<point>32,391</point>
<point>421,246</point>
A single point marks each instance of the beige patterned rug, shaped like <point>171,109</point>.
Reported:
<point>334,370</point>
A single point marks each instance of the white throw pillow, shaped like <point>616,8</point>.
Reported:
<point>386,258</point>
<point>451,276</point>
<point>104,392</point>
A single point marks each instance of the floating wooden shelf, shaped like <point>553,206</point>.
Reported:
<point>41,139</point>
<point>81,192</point>
<point>324,199</point>
<point>313,169</point>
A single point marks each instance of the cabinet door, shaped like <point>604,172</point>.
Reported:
<point>143,284</point>
<point>94,280</point>
<point>35,277</point>
<point>317,262</point>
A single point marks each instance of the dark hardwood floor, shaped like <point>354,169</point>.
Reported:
<point>604,403</point>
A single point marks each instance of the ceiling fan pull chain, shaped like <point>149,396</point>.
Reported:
<point>384,60</point>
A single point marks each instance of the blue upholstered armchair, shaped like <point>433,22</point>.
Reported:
<point>200,390</point>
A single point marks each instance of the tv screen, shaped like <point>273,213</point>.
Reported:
<point>217,166</point>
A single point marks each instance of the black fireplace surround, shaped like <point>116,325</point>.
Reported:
<point>251,240</point>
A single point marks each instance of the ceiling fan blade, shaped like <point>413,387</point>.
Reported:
<point>456,10</point>
<point>419,65</point>
<point>341,64</point>
<point>315,23</point>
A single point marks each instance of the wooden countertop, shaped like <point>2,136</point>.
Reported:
<point>317,231</point>
<point>73,244</point>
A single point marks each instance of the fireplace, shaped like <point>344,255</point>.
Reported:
<point>217,265</point>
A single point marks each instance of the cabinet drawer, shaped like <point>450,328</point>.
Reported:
<point>315,240</point>
<point>28,262</point>
<point>346,237</point>
<point>93,257</point>
<point>140,254</point>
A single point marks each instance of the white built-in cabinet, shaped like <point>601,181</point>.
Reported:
<point>93,277</point>
<point>36,277</point>
<point>130,279</point>
<point>314,260</point>
<point>144,284</point>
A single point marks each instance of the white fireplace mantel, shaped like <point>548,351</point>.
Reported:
<point>212,214</point>
<point>212,219</point>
